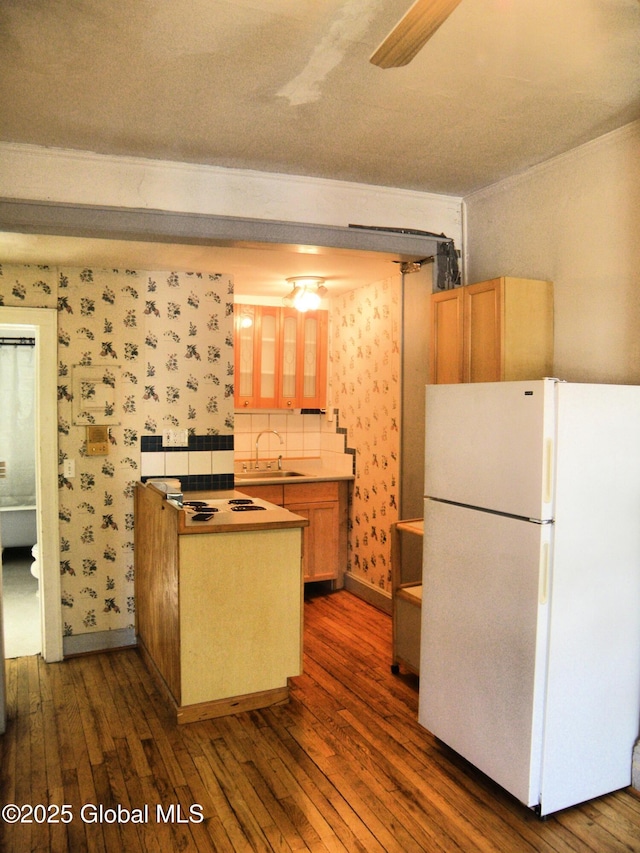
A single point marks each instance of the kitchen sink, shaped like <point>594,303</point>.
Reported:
<point>266,475</point>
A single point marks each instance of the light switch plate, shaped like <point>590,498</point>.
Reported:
<point>175,438</point>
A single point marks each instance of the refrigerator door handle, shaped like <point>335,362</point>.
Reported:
<point>543,594</point>
<point>548,471</point>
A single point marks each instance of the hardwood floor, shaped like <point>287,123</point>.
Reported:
<point>343,766</point>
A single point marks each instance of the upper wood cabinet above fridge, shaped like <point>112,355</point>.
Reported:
<point>492,331</point>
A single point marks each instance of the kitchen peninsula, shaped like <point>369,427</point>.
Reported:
<point>218,602</point>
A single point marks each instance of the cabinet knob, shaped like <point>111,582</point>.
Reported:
<point>288,402</point>
<point>246,403</point>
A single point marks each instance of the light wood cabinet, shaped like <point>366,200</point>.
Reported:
<point>492,331</point>
<point>406,594</point>
<point>218,614</point>
<point>256,346</point>
<point>325,505</point>
<point>447,315</point>
<point>280,358</point>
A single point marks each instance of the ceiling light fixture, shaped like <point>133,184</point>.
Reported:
<point>306,293</point>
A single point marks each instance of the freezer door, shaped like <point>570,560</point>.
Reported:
<point>490,445</point>
<point>483,641</point>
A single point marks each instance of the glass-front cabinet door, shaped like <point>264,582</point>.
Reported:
<point>289,360</point>
<point>255,356</point>
<point>267,357</point>
<point>245,352</point>
<point>280,358</point>
<point>313,360</point>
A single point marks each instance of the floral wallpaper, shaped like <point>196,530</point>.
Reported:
<point>152,350</point>
<point>365,374</point>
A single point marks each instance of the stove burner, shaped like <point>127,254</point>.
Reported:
<point>204,516</point>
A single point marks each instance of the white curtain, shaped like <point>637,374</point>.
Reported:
<point>17,425</point>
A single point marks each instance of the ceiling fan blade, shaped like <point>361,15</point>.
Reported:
<point>412,32</point>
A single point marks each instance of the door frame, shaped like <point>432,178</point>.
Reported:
<point>44,322</point>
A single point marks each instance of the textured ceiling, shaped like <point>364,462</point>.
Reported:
<point>286,85</point>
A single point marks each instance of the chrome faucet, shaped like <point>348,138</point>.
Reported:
<point>275,432</point>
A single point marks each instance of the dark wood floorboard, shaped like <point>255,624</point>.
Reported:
<point>343,766</point>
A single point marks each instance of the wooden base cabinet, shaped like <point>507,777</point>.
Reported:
<point>492,331</point>
<point>325,504</point>
<point>218,615</point>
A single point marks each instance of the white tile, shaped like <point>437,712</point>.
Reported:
<point>332,442</point>
<point>295,441</point>
<point>199,461</point>
<point>295,423</point>
<point>241,423</point>
<point>312,443</point>
<point>176,464</point>
<point>345,463</point>
<point>327,424</point>
<point>152,465</point>
<point>222,462</point>
<point>275,446</point>
<point>259,422</point>
<point>311,423</point>
<point>242,443</point>
<point>279,422</point>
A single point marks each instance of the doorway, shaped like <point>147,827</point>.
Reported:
<point>18,512</point>
<point>41,323</point>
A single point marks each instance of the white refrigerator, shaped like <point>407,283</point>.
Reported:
<point>530,639</point>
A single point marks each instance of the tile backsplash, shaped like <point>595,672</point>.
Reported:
<point>308,436</point>
<point>205,464</point>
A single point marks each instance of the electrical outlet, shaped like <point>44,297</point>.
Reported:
<point>69,469</point>
<point>175,438</point>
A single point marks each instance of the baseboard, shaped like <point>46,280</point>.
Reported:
<point>98,641</point>
<point>215,707</point>
<point>231,705</point>
<point>371,594</point>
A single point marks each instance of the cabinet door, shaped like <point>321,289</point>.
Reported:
<point>269,492</point>
<point>280,358</point>
<point>312,359</point>
<point>483,329</point>
<point>320,544</point>
<point>267,357</point>
<point>446,336</point>
<point>256,356</point>
<point>527,337</point>
<point>303,359</point>
<point>245,356</point>
<point>289,359</point>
